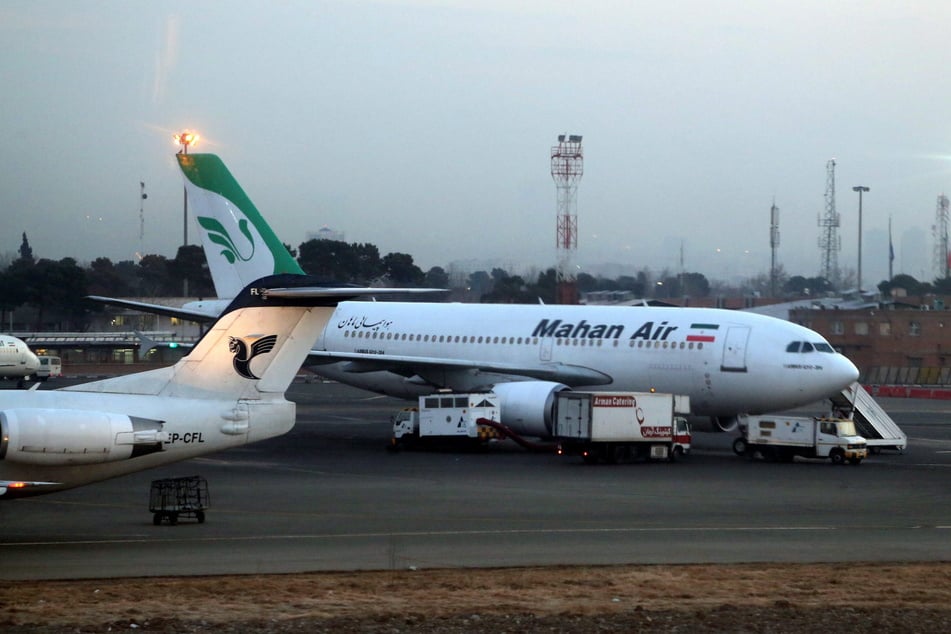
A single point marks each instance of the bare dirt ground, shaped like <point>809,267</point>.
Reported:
<point>693,598</point>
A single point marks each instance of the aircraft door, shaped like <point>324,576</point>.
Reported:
<point>734,349</point>
<point>544,352</point>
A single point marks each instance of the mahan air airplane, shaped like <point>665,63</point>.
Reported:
<point>728,362</point>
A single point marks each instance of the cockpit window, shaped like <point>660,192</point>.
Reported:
<point>805,346</point>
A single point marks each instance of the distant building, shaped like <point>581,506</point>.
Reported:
<point>326,233</point>
<point>907,342</point>
<point>120,336</point>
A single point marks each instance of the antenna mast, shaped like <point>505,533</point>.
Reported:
<point>142,197</point>
<point>939,231</point>
<point>567,168</point>
<point>773,245</point>
<point>829,241</point>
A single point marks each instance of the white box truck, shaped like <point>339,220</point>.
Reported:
<point>784,437</point>
<point>447,416</point>
<point>620,426</point>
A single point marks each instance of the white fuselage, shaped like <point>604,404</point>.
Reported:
<point>727,362</point>
<point>192,427</point>
<point>16,358</point>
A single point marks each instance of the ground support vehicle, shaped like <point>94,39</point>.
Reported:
<point>616,427</point>
<point>782,438</point>
<point>173,498</point>
<point>447,417</point>
<point>51,367</point>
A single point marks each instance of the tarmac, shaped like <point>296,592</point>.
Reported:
<point>328,496</point>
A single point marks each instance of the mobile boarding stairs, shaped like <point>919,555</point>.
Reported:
<point>871,421</point>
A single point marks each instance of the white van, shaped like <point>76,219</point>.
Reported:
<point>50,367</point>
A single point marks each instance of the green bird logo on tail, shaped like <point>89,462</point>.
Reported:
<point>219,235</point>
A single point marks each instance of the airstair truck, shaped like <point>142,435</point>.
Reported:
<point>616,427</point>
<point>784,437</point>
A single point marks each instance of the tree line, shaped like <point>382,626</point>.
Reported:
<point>55,290</point>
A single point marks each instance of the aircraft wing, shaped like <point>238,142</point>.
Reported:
<point>356,362</point>
<point>158,309</point>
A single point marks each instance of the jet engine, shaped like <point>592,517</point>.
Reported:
<point>61,437</point>
<point>725,423</point>
<point>527,407</point>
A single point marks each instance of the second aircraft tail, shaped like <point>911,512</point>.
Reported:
<point>238,243</point>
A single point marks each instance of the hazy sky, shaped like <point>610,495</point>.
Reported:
<point>425,126</point>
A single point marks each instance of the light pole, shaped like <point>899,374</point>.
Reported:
<point>185,139</point>
<point>860,189</point>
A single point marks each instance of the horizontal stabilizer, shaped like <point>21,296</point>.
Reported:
<point>156,309</point>
<point>342,293</point>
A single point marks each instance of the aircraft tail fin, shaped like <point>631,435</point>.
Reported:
<point>258,344</point>
<point>239,245</point>
<point>256,347</point>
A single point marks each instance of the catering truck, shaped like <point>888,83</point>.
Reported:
<point>784,437</point>
<point>616,427</point>
<point>447,416</point>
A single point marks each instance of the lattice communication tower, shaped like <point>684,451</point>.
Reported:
<point>829,240</point>
<point>939,232</point>
<point>567,168</point>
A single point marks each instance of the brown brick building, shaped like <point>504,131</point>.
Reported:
<point>903,342</point>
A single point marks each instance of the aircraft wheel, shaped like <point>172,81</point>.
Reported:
<point>173,518</point>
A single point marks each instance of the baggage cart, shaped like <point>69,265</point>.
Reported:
<point>173,498</point>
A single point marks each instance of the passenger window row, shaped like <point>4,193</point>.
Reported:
<point>632,343</point>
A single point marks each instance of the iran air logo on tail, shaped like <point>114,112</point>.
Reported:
<point>242,357</point>
<point>220,236</point>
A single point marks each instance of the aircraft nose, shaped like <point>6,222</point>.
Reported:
<point>838,373</point>
<point>844,373</point>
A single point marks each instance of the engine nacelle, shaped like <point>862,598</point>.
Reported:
<point>726,423</point>
<point>527,407</point>
<point>62,437</point>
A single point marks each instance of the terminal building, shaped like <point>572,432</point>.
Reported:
<point>118,337</point>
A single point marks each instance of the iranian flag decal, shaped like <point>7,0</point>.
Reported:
<point>705,333</point>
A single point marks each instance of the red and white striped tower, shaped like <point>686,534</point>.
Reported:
<point>567,168</point>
